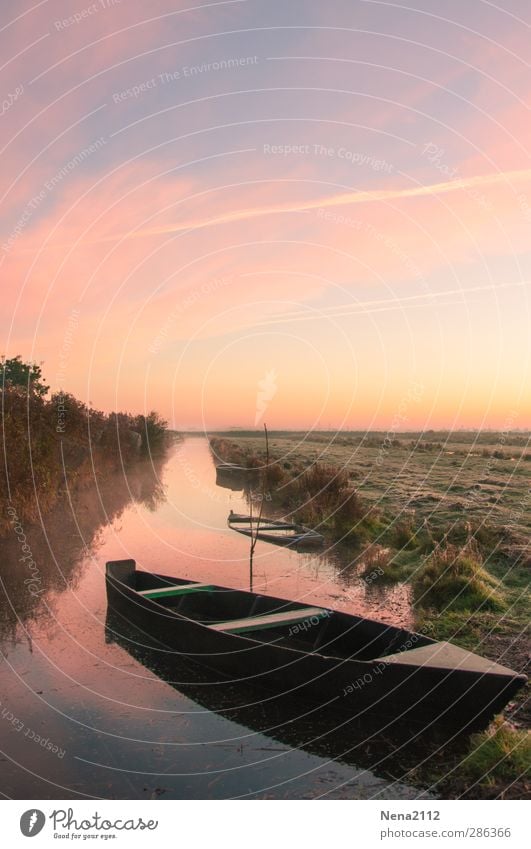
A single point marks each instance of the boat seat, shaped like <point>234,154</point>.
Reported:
<point>181,589</point>
<point>270,620</point>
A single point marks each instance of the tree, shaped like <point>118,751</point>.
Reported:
<point>15,372</point>
<point>152,429</point>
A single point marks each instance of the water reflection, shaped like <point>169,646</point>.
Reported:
<point>107,704</point>
<point>357,587</point>
<point>387,749</point>
<point>61,546</point>
<point>233,479</point>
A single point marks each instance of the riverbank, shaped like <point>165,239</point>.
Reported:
<point>53,447</point>
<point>449,516</point>
<point>72,673</point>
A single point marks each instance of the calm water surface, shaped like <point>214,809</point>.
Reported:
<point>87,713</point>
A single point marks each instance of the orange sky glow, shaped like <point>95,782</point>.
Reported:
<point>315,217</point>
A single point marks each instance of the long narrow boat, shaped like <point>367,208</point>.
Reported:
<point>233,467</point>
<point>276,531</point>
<point>232,476</point>
<point>327,658</point>
<point>387,749</point>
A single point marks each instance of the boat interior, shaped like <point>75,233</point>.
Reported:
<point>294,625</point>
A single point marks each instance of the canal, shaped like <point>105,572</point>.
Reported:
<point>87,712</point>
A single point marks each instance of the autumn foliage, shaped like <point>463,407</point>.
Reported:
<point>53,445</point>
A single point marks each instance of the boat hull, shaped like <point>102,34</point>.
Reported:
<point>298,540</point>
<point>276,531</point>
<point>422,693</point>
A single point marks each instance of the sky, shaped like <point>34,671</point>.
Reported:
<point>314,215</point>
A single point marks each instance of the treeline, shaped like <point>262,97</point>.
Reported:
<point>57,443</point>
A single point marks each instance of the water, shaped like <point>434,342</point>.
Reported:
<point>86,713</point>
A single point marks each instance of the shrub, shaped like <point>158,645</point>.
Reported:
<point>226,451</point>
<point>274,475</point>
<point>251,461</point>
<point>348,517</point>
<point>49,444</point>
<point>153,430</point>
<point>30,461</point>
<point>403,534</point>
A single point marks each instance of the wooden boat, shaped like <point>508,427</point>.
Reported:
<point>235,469</point>
<point>329,659</point>
<point>386,748</point>
<point>231,467</point>
<point>276,531</point>
<point>232,476</point>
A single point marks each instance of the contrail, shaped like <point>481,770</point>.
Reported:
<point>342,199</point>
<point>384,304</point>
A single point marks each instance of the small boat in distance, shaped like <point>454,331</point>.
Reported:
<point>277,531</point>
<point>232,476</point>
<point>328,659</point>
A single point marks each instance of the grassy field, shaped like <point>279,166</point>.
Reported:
<point>439,477</point>
<point>448,513</point>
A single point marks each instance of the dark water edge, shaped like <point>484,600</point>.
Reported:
<point>89,710</point>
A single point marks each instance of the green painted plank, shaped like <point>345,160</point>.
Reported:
<point>183,589</point>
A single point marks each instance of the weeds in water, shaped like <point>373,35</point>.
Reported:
<point>375,560</point>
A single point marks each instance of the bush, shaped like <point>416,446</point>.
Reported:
<point>226,451</point>
<point>30,465</point>
<point>274,475</point>
<point>51,444</point>
<point>324,482</point>
<point>152,430</point>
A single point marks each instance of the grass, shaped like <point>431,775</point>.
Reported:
<point>431,483</point>
<point>454,578</point>
<point>319,494</point>
<point>445,515</point>
<point>403,534</point>
<point>449,514</point>
<point>428,502</point>
<point>376,562</point>
<point>497,756</point>
<point>465,627</point>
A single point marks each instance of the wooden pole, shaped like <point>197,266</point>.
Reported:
<point>254,539</point>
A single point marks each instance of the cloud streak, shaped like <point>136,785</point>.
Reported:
<point>483,181</point>
<point>385,304</point>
